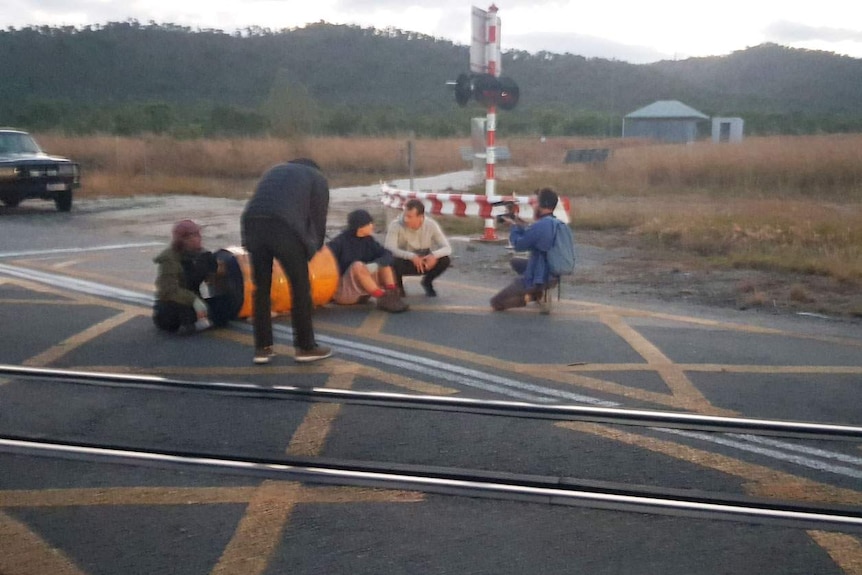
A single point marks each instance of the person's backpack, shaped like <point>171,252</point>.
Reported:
<point>561,255</point>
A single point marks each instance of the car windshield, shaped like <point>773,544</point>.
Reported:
<point>18,143</point>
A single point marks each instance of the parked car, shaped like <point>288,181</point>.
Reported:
<point>26,172</point>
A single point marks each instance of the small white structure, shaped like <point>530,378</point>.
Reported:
<point>666,121</point>
<point>727,129</point>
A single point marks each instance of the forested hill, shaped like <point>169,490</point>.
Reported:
<point>323,78</point>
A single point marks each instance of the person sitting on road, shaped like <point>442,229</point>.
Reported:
<point>536,238</point>
<point>365,266</point>
<point>182,268</point>
<point>419,245</point>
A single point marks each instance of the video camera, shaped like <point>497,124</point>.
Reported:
<point>511,215</point>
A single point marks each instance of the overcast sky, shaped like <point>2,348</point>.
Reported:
<point>635,31</point>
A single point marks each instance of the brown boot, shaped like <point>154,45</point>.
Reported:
<point>391,302</point>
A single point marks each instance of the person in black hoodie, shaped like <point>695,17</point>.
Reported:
<point>285,219</point>
<point>365,266</point>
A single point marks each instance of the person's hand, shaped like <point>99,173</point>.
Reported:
<point>429,262</point>
<point>418,263</point>
<point>200,308</point>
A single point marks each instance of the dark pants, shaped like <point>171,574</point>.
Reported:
<point>514,294</point>
<point>169,315</point>
<point>404,267</point>
<point>265,239</point>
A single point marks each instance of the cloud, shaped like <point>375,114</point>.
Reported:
<point>784,32</point>
<point>583,45</point>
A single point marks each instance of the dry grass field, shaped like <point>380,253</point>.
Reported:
<point>781,215</point>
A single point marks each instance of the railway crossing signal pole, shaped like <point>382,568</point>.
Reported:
<point>485,86</point>
<point>492,51</point>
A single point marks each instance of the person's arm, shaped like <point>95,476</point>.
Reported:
<point>381,255</point>
<point>535,236</point>
<point>319,208</point>
<point>392,241</point>
<point>169,285</point>
<point>439,239</point>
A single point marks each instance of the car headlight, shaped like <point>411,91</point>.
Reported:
<point>67,169</point>
<point>8,172</point>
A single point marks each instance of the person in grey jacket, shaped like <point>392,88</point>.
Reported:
<point>285,219</point>
<point>419,245</point>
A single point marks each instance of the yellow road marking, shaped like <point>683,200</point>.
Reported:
<point>675,378</point>
<point>844,549</point>
<point>373,322</point>
<point>259,531</point>
<point>765,482</point>
<point>25,553</point>
<point>114,496</point>
<point>309,438</point>
<point>549,372</point>
<point>125,496</point>
<point>56,352</point>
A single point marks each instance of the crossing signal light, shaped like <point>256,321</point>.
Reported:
<point>486,90</point>
<point>509,94</point>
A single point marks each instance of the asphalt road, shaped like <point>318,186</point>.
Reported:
<point>74,295</point>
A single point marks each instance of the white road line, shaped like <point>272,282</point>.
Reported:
<point>773,453</point>
<point>439,368</point>
<point>26,253</point>
<point>78,285</point>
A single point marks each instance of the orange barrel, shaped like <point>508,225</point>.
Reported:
<point>322,271</point>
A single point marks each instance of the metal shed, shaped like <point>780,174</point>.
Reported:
<point>727,129</point>
<point>665,120</point>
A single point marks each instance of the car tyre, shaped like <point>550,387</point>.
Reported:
<point>63,201</point>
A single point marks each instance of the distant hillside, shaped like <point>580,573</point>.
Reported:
<point>128,77</point>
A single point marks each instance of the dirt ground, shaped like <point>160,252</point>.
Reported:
<point>612,265</point>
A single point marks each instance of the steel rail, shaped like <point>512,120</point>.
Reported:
<point>634,417</point>
<point>460,482</point>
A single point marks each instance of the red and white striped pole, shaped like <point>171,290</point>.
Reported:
<point>492,54</point>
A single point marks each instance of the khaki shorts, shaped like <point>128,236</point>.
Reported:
<point>349,290</point>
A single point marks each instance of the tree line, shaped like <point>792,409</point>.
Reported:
<point>323,79</point>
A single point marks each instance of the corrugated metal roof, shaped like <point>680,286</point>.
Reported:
<point>668,109</point>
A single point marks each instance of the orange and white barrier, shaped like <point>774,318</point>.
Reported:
<point>465,205</point>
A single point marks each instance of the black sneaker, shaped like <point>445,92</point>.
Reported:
<point>391,302</point>
<point>429,289</point>
<point>315,354</point>
<point>262,355</point>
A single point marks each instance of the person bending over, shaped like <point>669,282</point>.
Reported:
<point>285,219</point>
<point>365,266</point>
<point>419,245</point>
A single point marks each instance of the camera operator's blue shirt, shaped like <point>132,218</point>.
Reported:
<point>537,238</point>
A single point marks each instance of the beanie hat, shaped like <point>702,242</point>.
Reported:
<point>184,229</point>
<point>358,218</point>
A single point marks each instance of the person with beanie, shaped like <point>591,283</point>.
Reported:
<point>285,219</point>
<point>365,266</point>
<point>183,267</point>
<point>419,246</point>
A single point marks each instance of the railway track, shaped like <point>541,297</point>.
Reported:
<point>565,491</point>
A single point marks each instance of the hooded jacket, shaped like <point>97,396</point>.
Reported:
<point>298,196</point>
<point>180,275</point>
